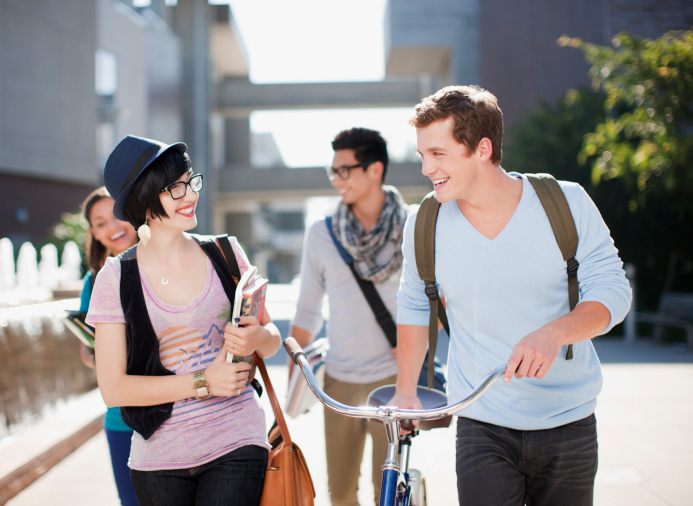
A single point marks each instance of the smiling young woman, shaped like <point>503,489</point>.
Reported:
<point>108,236</point>
<point>160,311</point>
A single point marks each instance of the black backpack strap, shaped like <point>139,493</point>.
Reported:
<point>382,315</point>
<point>425,250</point>
<point>557,210</point>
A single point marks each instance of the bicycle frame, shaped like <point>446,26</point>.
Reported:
<point>395,488</point>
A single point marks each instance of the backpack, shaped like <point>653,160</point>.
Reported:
<point>557,210</point>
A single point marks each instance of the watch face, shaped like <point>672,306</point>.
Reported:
<point>202,392</point>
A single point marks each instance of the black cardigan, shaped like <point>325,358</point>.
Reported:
<point>142,343</point>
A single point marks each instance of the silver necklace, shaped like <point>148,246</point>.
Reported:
<point>165,280</point>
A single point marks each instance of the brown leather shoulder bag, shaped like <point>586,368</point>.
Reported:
<point>287,479</point>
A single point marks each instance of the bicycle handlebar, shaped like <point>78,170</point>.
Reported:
<point>385,412</point>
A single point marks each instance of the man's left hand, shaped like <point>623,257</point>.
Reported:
<point>533,356</point>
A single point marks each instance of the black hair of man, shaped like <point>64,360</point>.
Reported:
<point>144,198</point>
<point>368,146</point>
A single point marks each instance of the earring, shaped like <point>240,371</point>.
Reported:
<point>144,233</point>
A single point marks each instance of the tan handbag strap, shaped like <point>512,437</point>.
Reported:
<point>227,252</point>
<point>275,403</point>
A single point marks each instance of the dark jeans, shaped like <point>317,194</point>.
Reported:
<point>234,479</point>
<point>119,445</point>
<point>505,467</point>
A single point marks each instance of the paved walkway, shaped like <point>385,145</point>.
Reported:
<point>645,415</point>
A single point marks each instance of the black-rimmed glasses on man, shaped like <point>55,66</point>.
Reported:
<point>345,170</point>
<point>179,189</point>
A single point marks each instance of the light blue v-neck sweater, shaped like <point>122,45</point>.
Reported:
<point>500,290</point>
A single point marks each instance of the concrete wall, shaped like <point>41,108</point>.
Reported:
<point>647,18</point>
<point>164,81</point>
<point>415,25</point>
<point>520,61</point>
<point>29,207</point>
<point>148,100</point>
<point>122,32</point>
<point>49,110</point>
<point>47,100</point>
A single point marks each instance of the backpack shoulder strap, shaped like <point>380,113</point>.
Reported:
<point>229,256</point>
<point>557,210</point>
<point>129,254</point>
<point>425,250</point>
<point>382,315</point>
<point>231,262</point>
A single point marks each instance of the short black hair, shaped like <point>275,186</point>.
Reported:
<point>368,145</point>
<point>144,197</point>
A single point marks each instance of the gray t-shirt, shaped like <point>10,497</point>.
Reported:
<point>359,351</point>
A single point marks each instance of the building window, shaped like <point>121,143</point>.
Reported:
<point>106,70</point>
<point>290,221</point>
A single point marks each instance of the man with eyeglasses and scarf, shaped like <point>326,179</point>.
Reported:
<point>368,226</point>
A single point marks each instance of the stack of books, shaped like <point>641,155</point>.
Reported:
<point>249,301</point>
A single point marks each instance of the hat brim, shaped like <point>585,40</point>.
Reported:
<point>119,206</point>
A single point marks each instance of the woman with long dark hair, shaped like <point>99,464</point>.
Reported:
<point>161,312</point>
<point>107,236</point>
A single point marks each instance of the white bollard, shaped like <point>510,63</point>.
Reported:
<point>8,279</point>
<point>49,273</point>
<point>27,267</point>
<point>71,264</point>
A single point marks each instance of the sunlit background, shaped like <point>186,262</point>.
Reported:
<point>258,89</point>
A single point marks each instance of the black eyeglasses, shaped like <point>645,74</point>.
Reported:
<point>345,170</point>
<point>179,189</point>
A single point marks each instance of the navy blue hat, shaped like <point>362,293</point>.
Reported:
<point>127,162</point>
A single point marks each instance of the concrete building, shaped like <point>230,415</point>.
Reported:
<point>520,61</point>
<point>437,38</point>
<point>509,47</point>
<point>48,112</point>
<point>76,76</point>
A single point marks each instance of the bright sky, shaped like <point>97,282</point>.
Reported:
<point>319,41</point>
<point>312,40</point>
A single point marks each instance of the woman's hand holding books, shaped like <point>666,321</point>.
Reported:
<point>247,337</point>
<point>226,379</point>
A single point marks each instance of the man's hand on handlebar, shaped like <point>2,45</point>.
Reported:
<point>406,401</point>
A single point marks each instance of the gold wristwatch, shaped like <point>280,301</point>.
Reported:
<point>200,385</point>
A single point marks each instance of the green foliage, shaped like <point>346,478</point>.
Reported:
<point>71,227</point>
<point>551,136</point>
<point>645,146</point>
<point>629,143</point>
<point>647,139</point>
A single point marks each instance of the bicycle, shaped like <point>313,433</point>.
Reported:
<point>401,486</point>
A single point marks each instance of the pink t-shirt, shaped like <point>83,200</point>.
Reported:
<point>190,337</point>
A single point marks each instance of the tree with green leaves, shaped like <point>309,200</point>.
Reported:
<point>645,145</point>
<point>629,143</point>
<point>647,139</point>
<point>551,136</point>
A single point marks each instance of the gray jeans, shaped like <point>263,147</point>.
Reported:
<point>497,466</point>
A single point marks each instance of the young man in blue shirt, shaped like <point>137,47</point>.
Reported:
<point>530,439</point>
